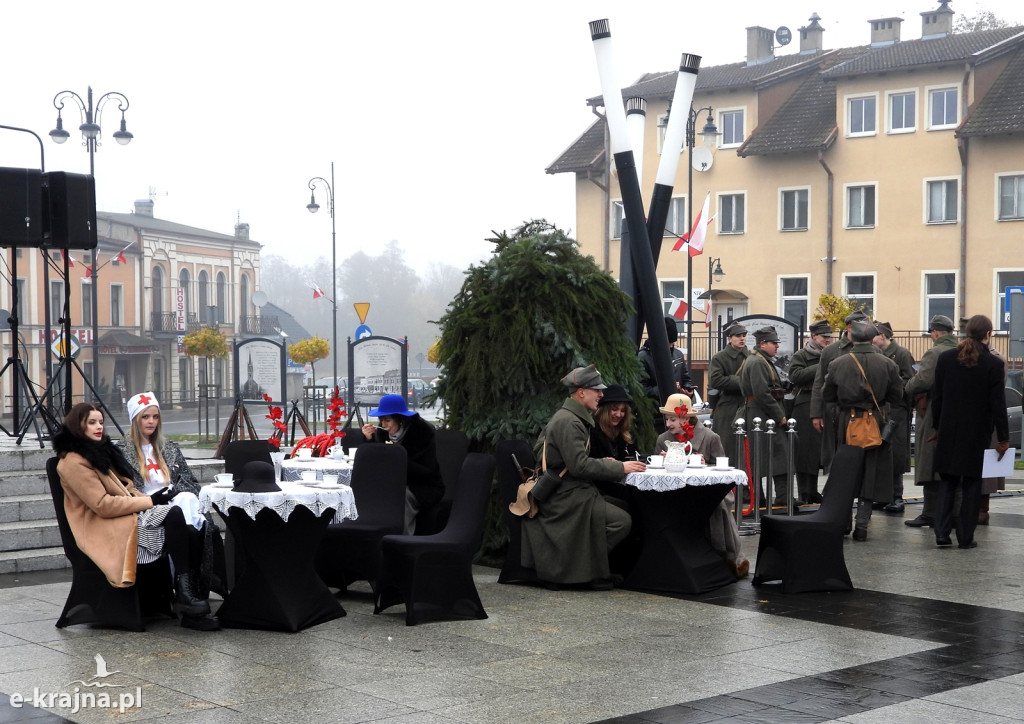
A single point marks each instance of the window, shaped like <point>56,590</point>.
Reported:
<point>940,295</point>
<point>56,302</point>
<point>158,290</point>
<point>731,212</point>
<point>943,108</point>
<point>618,219</point>
<point>902,112</point>
<point>675,222</point>
<point>942,202</point>
<point>732,127</point>
<point>1006,279</point>
<point>860,206</point>
<point>671,292</point>
<point>794,210</point>
<point>116,297</point>
<point>222,298</point>
<point>23,304</point>
<point>203,283</point>
<point>1011,198</point>
<point>86,305</point>
<point>243,284</point>
<point>862,289</point>
<point>861,116</point>
<point>794,300</point>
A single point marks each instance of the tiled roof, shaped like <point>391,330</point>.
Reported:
<point>932,51</point>
<point>149,223</point>
<point>1002,108</point>
<point>583,154</point>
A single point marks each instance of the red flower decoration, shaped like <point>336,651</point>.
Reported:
<point>275,418</point>
<point>336,407</point>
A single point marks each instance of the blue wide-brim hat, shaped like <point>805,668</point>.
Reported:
<point>391,405</point>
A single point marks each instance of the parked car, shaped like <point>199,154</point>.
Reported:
<point>418,389</point>
<point>1014,411</point>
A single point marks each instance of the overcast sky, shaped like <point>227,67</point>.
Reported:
<point>440,117</point>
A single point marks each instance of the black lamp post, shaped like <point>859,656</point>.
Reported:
<point>715,273</point>
<point>710,136</point>
<point>313,207</point>
<point>90,129</point>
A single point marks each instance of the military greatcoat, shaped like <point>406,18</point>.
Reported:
<point>921,384</point>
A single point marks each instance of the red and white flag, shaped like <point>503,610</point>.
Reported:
<point>694,241</point>
<point>707,319</point>
<point>317,291</point>
<point>88,271</point>
<point>678,308</point>
<point>120,255</point>
<point>70,259</point>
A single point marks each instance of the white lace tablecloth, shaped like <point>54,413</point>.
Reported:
<point>662,480</point>
<point>292,468</point>
<point>290,497</point>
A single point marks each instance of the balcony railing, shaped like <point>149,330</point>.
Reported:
<point>260,325</point>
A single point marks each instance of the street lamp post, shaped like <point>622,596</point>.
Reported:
<point>715,273</point>
<point>313,207</point>
<point>710,136</point>
<point>90,129</point>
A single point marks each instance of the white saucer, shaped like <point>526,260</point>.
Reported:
<point>222,485</point>
<point>696,467</point>
<point>722,469</point>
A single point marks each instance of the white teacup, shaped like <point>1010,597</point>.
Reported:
<point>330,479</point>
<point>224,478</point>
<point>721,462</point>
<point>308,476</point>
<point>696,459</point>
<point>303,453</point>
<point>656,461</point>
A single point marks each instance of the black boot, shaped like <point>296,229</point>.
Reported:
<point>186,601</point>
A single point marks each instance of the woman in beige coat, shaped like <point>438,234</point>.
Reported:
<point>114,523</point>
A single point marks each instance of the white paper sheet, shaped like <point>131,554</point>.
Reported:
<point>993,468</point>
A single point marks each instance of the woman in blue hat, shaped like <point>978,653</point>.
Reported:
<point>400,426</point>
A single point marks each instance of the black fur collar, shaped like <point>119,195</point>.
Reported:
<point>103,456</point>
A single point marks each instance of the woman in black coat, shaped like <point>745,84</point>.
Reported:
<point>967,404</point>
<point>400,426</point>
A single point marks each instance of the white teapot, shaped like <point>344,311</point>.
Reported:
<point>677,456</point>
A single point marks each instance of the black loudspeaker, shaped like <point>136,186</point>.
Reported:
<point>21,207</point>
<point>70,199</point>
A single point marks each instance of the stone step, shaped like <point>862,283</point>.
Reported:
<point>39,559</point>
<point>26,507</point>
<point>28,534</point>
<point>23,482</point>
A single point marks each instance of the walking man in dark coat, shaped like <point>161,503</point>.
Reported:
<point>860,383</point>
<point>823,414</point>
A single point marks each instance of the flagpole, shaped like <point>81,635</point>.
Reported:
<point>691,142</point>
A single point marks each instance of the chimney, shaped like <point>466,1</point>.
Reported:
<point>810,36</point>
<point>242,231</point>
<point>885,31</point>
<point>144,207</point>
<point>937,23</point>
<point>759,45</point>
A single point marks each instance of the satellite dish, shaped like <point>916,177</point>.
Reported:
<point>783,35</point>
<point>701,158</point>
<point>259,298</point>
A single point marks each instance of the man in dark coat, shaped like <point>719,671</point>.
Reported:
<point>861,383</point>
<point>762,391</point>
<point>824,414</point>
<point>569,539</point>
<point>802,369</point>
<point>899,412</point>
<point>968,402</point>
<point>724,378</point>
<point>917,392</point>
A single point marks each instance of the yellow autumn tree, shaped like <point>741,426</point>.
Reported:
<point>309,351</point>
<point>835,310</point>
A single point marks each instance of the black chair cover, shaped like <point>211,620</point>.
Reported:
<point>433,574</point>
<point>350,551</point>
<point>91,598</point>
<point>806,552</point>
<point>239,452</point>
<point>452,447</point>
<point>512,571</point>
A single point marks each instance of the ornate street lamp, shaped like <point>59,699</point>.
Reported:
<point>313,207</point>
<point>710,135</point>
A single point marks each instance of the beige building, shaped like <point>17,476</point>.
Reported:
<point>891,172</point>
<point>173,279</point>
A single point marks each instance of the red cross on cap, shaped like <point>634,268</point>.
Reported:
<point>144,399</point>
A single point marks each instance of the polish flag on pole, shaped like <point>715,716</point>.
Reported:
<point>700,228</point>
<point>120,255</point>
<point>317,292</point>
<point>88,271</point>
<point>70,259</point>
<point>707,319</point>
<point>678,308</point>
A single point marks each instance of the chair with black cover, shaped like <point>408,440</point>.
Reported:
<point>239,452</point>
<point>433,574</point>
<point>350,551</point>
<point>452,447</point>
<point>92,599</point>
<point>806,552</point>
<point>512,571</point>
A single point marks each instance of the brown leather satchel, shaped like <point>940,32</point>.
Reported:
<point>863,431</point>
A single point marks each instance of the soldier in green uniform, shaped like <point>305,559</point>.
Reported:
<point>762,394</point>
<point>900,412</point>
<point>724,376</point>
<point>802,370</point>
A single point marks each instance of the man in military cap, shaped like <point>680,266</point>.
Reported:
<point>762,393</point>
<point>724,382</point>
<point>862,382</point>
<point>569,539</point>
<point>918,395</point>
<point>900,412</point>
<point>824,415</point>
<point>802,369</point>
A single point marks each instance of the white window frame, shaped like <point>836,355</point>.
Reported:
<point>720,216</point>
<point>782,208</point>
<point>945,180</point>
<point>56,292</point>
<point>930,91</point>
<point>615,225</point>
<point>873,307</point>
<point>805,297</point>
<point>889,96</point>
<point>668,299</point>
<point>926,296</point>
<point>119,307</point>
<point>847,207</point>
<point>848,102</point>
<point>998,316</point>
<point>86,301</point>
<point>675,222</point>
<point>722,113</point>
<point>1019,176</point>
